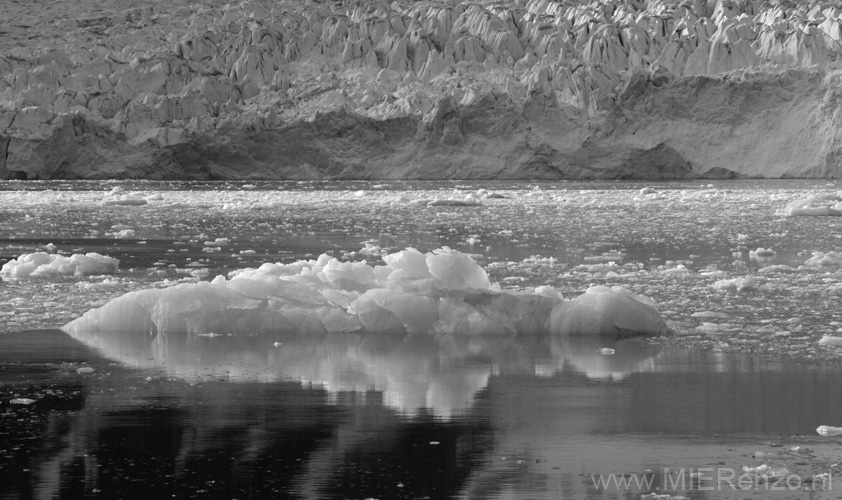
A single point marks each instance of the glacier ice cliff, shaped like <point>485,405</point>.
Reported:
<point>522,89</point>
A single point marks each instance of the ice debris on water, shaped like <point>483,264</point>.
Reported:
<point>21,401</point>
<point>443,291</point>
<point>45,264</point>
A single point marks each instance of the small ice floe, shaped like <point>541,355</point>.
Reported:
<point>827,431</point>
<point>123,200</point>
<point>821,259</point>
<point>818,204</point>
<point>709,314</point>
<point>45,264</point>
<point>125,233</point>
<point>776,269</point>
<point>736,285</point>
<point>104,284</point>
<point>21,401</point>
<point>218,242</point>
<point>454,202</point>
<point>678,270</point>
<point>370,249</point>
<point>762,254</point>
<point>830,340</point>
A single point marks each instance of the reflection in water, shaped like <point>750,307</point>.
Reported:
<point>380,416</point>
<point>437,373</point>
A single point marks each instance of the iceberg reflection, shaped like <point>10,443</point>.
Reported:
<point>438,373</point>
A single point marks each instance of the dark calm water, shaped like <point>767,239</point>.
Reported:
<point>408,416</point>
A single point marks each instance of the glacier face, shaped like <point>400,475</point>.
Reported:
<point>529,89</point>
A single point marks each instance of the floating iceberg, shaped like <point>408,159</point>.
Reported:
<point>443,291</point>
<point>46,264</point>
<point>819,204</point>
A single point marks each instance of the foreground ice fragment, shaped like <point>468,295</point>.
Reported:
<point>443,291</point>
<point>45,264</point>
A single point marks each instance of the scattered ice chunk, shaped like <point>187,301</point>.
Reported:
<point>821,259</point>
<point>106,283</point>
<point>709,314</point>
<point>45,264</point>
<point>777,268</point>
<point>370,249</point>
<point>124,200</point>
<point>830,340</point>
<point>678,270</point>
<point>819,204</point>
<point>21,401</point>
<point>742,284</point>
<point>762,254</point>
<point>827,431</point>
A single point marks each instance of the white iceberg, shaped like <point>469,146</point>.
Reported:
<point>46,264</point>
<point>443,291</point>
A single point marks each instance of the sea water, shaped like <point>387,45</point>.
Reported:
<point>368,416</point>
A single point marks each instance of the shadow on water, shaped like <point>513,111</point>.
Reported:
<point>380,416</point>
